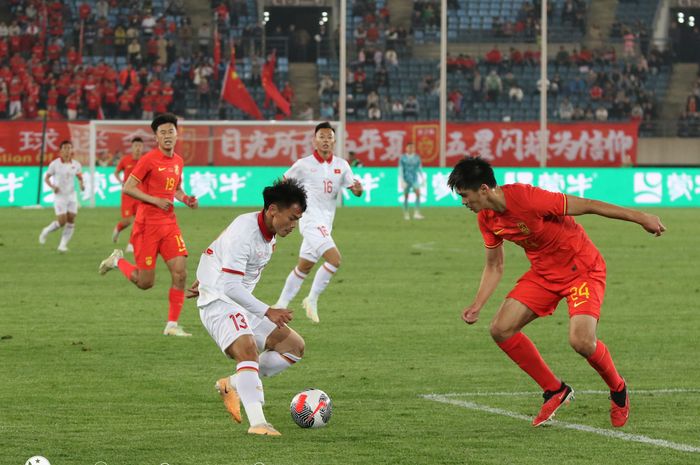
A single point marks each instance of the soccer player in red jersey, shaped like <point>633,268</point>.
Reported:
<point>155,182</point>
<point>564,265</point>
<point>129,204</point>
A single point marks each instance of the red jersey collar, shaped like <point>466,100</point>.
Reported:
<point>320,159</point>
<point>267,234</point>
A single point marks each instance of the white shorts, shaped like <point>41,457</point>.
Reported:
<point>63,205</point>
<point>227,322</point>
<point>317,240</point>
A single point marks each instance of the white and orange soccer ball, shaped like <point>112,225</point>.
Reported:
<point>311,408</point>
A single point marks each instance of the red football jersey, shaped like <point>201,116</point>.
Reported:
<point>126,164</point>
<point>160,176</point>
<point>558,248</point>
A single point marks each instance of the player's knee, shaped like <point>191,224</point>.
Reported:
<point>582,345</point>
<point>61,222</point>
<point>144,284</point>
<point>244,349</point>
<point>498,333</point>
<point>335,261</point>
<point>296,345</point>
<point>179,277</point>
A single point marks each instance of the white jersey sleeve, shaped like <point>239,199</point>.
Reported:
<point>348,179</point>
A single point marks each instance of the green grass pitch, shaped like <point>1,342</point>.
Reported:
<point>87,377</point>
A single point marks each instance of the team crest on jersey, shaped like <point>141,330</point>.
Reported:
<point>336,171</point>
<point>523,228</point>
<point>149,261</point>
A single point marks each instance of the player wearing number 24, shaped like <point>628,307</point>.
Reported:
<point>324,176</point>
<point>156,181</point>
<point>564,265</point>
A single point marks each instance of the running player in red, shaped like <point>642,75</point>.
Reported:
<point>159,174</point>
<point>129,204</point>
<point>564,265</point>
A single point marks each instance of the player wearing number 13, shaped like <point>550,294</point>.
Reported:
<point>323,176</point>
<point>564,265</point>
<point>158,175</point>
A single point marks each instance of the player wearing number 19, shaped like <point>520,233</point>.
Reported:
<point>564,265</point>
<point>323,176</point>
<point>158,174</point>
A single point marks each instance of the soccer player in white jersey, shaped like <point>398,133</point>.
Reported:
<point>60,178</point>
<point>239,323</point>
<point>323,177</point>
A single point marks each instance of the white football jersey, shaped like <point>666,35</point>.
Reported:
<point>63,176</point>
<point>323,181</point>
<point>244,248</point>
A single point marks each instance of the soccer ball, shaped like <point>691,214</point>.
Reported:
<point>37,460</point>
<point>311,408</point>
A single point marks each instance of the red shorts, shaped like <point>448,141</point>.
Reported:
<point>584,294</point>
<point>149,240</point>
<point>129,205</point>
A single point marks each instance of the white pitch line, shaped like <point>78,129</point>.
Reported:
<point>575,426</point>
<point>578,391</point>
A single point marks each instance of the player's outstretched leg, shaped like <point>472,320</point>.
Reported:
<point>53,226</point>
<point>321,280</point>
<point>291,287</point>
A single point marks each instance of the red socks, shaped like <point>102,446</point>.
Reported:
<point>523,352</point>
<point>126,268</point>
<point>176,298</point>
<point>603,364</point>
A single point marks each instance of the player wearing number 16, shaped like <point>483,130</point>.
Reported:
<point>564,264</point>
<point>324,176</point>
<point>156,182</point>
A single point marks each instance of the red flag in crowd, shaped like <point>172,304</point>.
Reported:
<point>234,91</point>
<point>217,53</point>
<point>268,83</point>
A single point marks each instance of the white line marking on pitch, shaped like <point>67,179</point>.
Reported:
<point>575,426</point>
<point>578,391</point>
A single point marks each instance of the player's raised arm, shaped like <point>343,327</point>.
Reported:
<point>490,277</point>
<point>580,206</point>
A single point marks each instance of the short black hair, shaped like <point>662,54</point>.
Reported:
<point>471,173</point>
<point>65,142</point>
<point>285,193</point>
<point>163,118</point>
<point>324,125</point>
<point>138,139</point>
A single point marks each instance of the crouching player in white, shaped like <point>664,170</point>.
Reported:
<point>241,324</point>
<point>59,177</point>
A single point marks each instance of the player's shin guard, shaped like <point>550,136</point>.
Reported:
<point>321,279</point>
<point>250,390</point>
<point>67,234</point>
<point>523,352</point>
<point>273,363</point>
<point>602,362</point>
<point>291,287</point>
<point>176,297</point>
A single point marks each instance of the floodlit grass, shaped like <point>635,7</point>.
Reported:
<point>87,377</point>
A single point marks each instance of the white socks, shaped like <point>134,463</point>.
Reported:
<point>51,227</point>
<point>68,230</point>
<point>250,390</point>
<point>291,288</point>
<point>321,279</point>
<point>273,363</point>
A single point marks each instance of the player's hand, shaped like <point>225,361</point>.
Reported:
<point>279,316</point>
<point>652,224</point>
<point>356,188</point>
<point>191,201</point>
<point>56,190</point>
<point>163,204</point>
<point>193,291</point>
<point>470,315</point>
<point>82,187</point>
